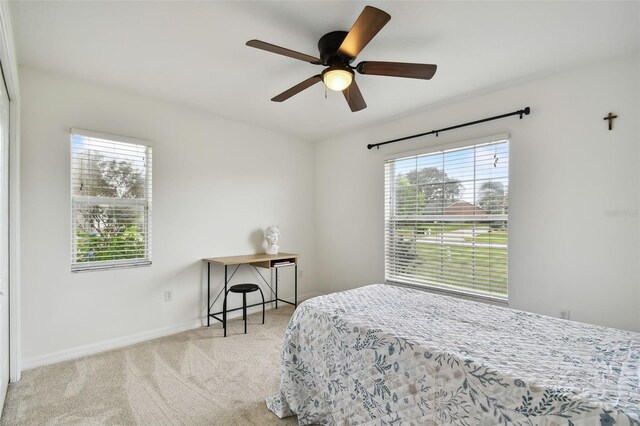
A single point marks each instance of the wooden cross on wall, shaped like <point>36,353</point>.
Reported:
<point>610,117</point>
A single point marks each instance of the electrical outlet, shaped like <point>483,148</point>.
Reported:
<point>565,314</point>
<point>168,296</point>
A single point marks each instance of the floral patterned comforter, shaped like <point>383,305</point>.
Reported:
<point>382,355</point>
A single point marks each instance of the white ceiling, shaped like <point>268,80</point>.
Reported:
<point>193,53</point>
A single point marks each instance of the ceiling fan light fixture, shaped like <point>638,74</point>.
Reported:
<point>337,77</point>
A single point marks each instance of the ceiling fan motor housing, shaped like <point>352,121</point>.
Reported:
<point>328,46</point>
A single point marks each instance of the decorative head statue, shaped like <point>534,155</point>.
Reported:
<point>272,235</point>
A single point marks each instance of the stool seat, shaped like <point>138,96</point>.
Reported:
<point>244,288</point>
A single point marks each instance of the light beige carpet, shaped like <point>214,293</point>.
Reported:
<point>192,378</point>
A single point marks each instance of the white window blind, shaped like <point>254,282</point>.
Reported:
<point>110,201</point>
<point>446,219</point>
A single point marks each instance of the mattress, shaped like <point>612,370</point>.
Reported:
<point>382,354</point>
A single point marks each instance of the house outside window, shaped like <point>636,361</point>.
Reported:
<point>110,201</point>
<point>446,218</point>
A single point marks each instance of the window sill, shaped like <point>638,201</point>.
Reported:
<point>493,300</point>
<point>123,265</point>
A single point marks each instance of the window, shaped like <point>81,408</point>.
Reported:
<point>446,218</point>
<point>110,201</point>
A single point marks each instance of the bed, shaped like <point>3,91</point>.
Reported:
<point>383,354</point>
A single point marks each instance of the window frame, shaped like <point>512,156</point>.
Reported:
<point>145,203</point>
<point>443,288</point>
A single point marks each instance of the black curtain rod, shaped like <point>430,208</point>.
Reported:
<point>521,112</point>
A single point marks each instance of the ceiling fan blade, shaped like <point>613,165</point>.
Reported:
<point>283,51</point>
<point>297,88</point>
<point>354,97</point>
<point>397,69</point>
<point>370,21</point>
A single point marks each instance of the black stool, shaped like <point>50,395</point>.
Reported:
<point>244,289</point>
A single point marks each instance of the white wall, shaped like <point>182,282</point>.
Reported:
<point>567,172</point>
<point>215,184</point>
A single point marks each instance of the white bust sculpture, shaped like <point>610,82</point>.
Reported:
<point>272,235</point>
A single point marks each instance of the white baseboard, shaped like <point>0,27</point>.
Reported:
<point>94,348</point>
<point>308,296</point>
<point>120,342</point>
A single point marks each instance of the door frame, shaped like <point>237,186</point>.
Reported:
<point>10,68</point>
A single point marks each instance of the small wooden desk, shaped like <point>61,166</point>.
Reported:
<point>262,260</point>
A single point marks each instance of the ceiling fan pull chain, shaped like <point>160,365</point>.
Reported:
<point>325,92</point>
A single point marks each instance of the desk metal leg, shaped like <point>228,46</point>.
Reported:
<point>208,294</point>
<point>295,286</point>
<point>276,288</point>
<point>224,310</point>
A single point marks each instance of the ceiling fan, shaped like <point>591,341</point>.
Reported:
<point>338,49</point>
